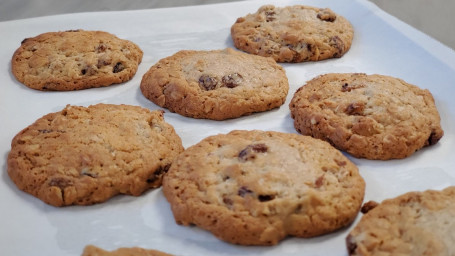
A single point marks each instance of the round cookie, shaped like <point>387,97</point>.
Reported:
<point>216,85</point>
<point>416,223</point>
<point>91,250</point>
<point>368,116</point>
<point>75,60</point>
<point>293,34</point>
<point>86,155</point>
<point>257,187</point>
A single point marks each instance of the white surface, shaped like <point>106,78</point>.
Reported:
<point>434,18</point>
<point>381,45</point>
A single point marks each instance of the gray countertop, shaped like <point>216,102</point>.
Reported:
<point>431,17</point>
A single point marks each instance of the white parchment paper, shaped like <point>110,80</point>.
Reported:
<point>381,45</point>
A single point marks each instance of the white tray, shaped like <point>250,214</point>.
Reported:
<point>381,45</point>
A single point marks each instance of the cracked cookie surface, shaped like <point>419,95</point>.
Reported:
<point>368,116</point>
<point>218,85</point>
<point>256,187</point>
<point>293,34</point>
<point>86,155</point>
<point>415,223</point>
<point>75,60</point>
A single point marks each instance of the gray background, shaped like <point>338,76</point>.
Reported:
<point>433,17</point>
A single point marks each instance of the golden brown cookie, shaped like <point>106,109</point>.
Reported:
<point>293,34</point>
<point>75,60</point>
<point>256,187</point>
<point>416,223</point>
<point>86,155</point>
<point>368,116</point>
<point>216,85</point>
<point>91,250</point>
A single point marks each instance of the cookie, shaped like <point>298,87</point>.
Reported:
<point>86,155</point>
<point>91,250</point>
<point>416,223</point>
<point>257,187</point>
<point>293,34</point>
<point>368,116</point>
<point>218,85</point>
<point>75,60</point>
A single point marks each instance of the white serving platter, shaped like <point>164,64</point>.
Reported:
<point>382,45</point>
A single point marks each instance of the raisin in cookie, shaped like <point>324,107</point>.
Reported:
<point>293,34</point>
<point>256,187</point>
<point>416,223</point>
<point>75,60</point>
<point>216,85</point>
<point>85,155</point>
<point>91,250</point>
<point>368,116</point>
